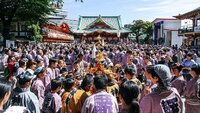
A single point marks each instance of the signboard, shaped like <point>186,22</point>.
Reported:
<point>32,42</point>
<point>60,35</point>
<point>10,43</point>
<point>54,33</point>
<point>197,29</point>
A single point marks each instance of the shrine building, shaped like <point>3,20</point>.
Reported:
<point>109,28</point>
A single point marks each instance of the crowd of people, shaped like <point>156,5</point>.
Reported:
<point>95,78</point>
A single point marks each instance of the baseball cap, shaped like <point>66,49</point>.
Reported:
<point>26,76</point>
<point>38,70</point>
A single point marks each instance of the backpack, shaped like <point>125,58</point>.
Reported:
<point>71,94</point>
<point>15,101</point>
<point>46,108</point>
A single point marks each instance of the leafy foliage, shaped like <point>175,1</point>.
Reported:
<point>22,10</point>
<point>140,28</point>
<point>32,11</point>
<point>36,30</point>
<point>25,10</point>
<point>148,32</point>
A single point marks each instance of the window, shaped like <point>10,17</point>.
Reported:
<point>13,27</point>
<point>23,27</point>
<point>198,22</point>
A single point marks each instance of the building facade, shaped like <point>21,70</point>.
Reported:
<point>107,28</point>
<point>57,29</point>
<point>165,32</point>
<point>191,29</point>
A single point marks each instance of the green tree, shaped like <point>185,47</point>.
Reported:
<point>36,31</point>
<point>22,10</point>
<point>148,32</point>
<point>140,28</point>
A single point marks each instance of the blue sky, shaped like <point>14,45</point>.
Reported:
<point>130,9</point>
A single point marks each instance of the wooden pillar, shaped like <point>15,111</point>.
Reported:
<point>18,28</point>
<point>193,23</point>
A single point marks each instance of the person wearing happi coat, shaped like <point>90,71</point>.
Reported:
<point>71,98</point>
<point>118,56</point>
<point>46,58</point>
<point>111,55</point>
<point>188,61</point>
<point>130,63</point>
<point>131,75</point>
<point>108,61</point>
<point>178,81</point>
<point>61,65</point>
<point>100,101</point>
<point>164,98</point>
<point>113,87</point>
<point>87,86</point>
<point>39,56</point>
<point>50,74</point>
<point>22,67</point>
<point>55,103</point>
<point>37,86</point>
<point>22,96</point>
<point>125,58</point>
<point>81,62</point>
<point>87,56</point>
<point>68,85</point>
<point>192,91</point>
